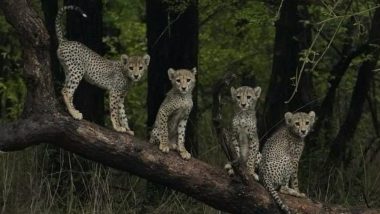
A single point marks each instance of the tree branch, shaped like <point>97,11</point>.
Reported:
<point>194,178</point>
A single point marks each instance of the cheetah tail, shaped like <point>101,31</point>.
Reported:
<point>58,20</point>
<point>278,200</point>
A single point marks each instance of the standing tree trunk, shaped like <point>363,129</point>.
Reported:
<point>292,36</point>
<point>338,148</point>
<point>88,99</point>
<point>50,9</point>
<point>172,43</point>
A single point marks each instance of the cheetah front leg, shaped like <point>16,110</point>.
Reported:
<point>252,161</point>
<point>160,131</point>
<point>181,140</point>
<point>163,137</point>
<point>253,157</point>
<point>123,117</point>
<point>289,191</point>
<point>115,98</point>
<point>235,144</point>
<point>294,182</point>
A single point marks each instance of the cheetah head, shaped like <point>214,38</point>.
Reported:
<point>300,123</point>
<point>135,66</point>
<point>245,97</point>
<point>183,80</point>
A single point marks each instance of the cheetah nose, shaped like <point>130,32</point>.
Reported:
<point>183,88</point>
<point>243,104</point>
<point>136,76</point>
<point>303,131</point>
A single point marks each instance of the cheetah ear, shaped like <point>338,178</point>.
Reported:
<point>146,59</point>
<point>124,59</point>
<point>288,117</point>
<point>171,72</point>
<point>233,92</point>
<point>257,91</point>
<point>194,70</point>
<point>312,116</point>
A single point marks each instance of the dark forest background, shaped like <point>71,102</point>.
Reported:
<point>306,55</point>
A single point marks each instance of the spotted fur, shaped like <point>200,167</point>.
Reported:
<point>115,76</point>
<point>244,130</point>
<point>170,125</point>
<point>280,156</point>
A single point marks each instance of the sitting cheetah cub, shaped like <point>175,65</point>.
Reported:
<point>244,130</point>
<point>170,125</point>
<point>78,62</point>
<point>281,154</point>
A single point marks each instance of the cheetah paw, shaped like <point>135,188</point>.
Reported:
<point>301,195</point>
<point>130,132</point>
<point>76,115</point>
<point>185,155</point>
<point>256,177</point>
<point>120,129</point>
<point>229,169</point>
<point>164,147</point>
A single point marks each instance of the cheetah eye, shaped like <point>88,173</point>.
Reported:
<point>130,67</point>
<point>178,80</point>
<point>238,96</point>
<point>248,97</point>
<point>188,80</point>
<point>140,68</point>
<point>307,122</point>
<point>297,124</point>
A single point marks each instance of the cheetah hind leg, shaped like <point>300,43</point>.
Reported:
<point>124,120</point>
<point>293,192</point>
<point>68,99</point>
<point>74,75</point>
<point>277,198</point>
<point>114,109</point>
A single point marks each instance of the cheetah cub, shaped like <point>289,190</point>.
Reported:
<point>281,154</point>
<point>244,130</point>
<point>170,125</point>
<point>78,62</point>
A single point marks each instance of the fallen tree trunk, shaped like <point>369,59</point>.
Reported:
<point>120,151</point>
<point>44,123</point>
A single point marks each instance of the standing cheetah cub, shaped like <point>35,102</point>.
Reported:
<point>170,125</point>
<point>281,154</point>
<point>244,130</point>
<point>78,62</point>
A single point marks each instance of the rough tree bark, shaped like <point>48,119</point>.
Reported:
<point>50,9</point>
<point>44,123</point>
